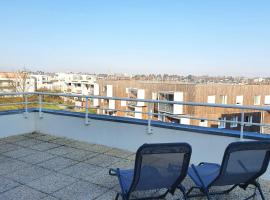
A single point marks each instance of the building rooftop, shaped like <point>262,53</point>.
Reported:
<point>40,166</point>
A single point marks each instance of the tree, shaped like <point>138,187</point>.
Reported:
<point>20,80</point>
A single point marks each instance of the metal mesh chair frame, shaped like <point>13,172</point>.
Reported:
<point>137,170</point>
<point>234,147</point>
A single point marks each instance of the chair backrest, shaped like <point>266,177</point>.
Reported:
<point>160,166</point>
<point>243,162</point>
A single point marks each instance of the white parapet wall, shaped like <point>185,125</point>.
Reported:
<point>14,124</point>
<point>128,136</point>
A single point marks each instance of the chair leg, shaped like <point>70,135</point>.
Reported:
<point>230,189</point>
<point>225,191</point>
<point>257,185</point>
<point>190,190</point>
<point>183,190</point>
<point>260,190</point>
<point>204,192</point>
<point>163,195</point>
<point>117,196</point>
<point>207,194</point>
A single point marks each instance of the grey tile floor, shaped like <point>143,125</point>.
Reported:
<point>38,166</point>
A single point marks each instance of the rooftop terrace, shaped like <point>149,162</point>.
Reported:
<point>41,166</point>
<point>42,156</point>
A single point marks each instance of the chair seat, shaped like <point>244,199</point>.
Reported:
<point>125,178</point>
<point>207,171</point>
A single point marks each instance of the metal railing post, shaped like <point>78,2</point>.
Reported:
<point>242,126</point>
<point>149,128</point>
<point>40,106</point>
<point>25,106</point>
<point>86,111</point>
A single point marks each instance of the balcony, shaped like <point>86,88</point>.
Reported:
<point>55,154</point>
<point>169,107</point>
<point>135,93</point>
<point>166,108</point>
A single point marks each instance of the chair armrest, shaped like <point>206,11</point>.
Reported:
<point>113,172</point>
<point>207,163</point>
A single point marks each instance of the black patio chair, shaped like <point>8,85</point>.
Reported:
<point>158,167</point>
<point>243,163</point>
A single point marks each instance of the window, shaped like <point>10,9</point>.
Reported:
<point>170,97</point>
<point>234,122</point>
<point>267,99</point>
<point>239,100</point>
<point>203,123</point>
<point>123,103</point>
<point>248,120</point>
<point>223,99</point>
<point>257,100</point>
<point>211,99</point>
<point>222,123</point>
<point>185,121</point>
<point>154,96</point>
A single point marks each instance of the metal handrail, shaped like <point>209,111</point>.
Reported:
<point>241,107</point>
<point>265,108</point>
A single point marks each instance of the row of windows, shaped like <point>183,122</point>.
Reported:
<point>234,121</point>
<point>239,99</point>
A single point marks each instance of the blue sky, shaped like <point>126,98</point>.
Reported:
<point>229,37</point>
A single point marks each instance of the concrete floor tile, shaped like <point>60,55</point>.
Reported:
<point>28,143</point>
<point>26,175</point>
<point>80,190</point>
<point>119,153</point>
<point>60,150</point>
<point>57,163</point>
<point>9,165</point>
<point>20,152</point>
<point>44,146</point>
<point>5,147</point>
<point>103,160</point>
<point>52,182</point>
<point>22,193</point>
<point>37,157</point>
<point>81,170</point>
<point>14,138</point>
<point>103,178</point>
<point>7,184</point>
<point>80,155</point>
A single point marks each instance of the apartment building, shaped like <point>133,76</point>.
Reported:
<point>257,95</point>
<point>16,82</point>
<point>146,90</point>
<point>6,84</point>
<point>76,83</point>
<point>251,95</point>
<point>135,109</point>
<point>43,82</point>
